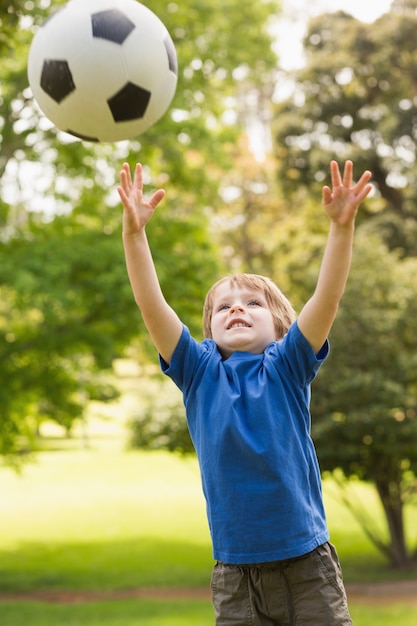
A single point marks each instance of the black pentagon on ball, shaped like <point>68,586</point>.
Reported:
<point>83,137</point>
<point>112,25</point>
<point>130,103</point>
<point>56,79</point>
<point>172,55</point>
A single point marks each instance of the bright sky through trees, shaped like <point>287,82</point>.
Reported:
<point>296,13</point>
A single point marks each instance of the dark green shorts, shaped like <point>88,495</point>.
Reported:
<point>307,590</point>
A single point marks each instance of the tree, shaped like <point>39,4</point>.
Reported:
<point>356,98</point>
<point>364,401</point>
<point>404,7</point>
<point>10,12</point>
<point>66,309</point>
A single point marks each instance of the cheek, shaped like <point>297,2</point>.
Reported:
<point>273,327</point>
<point>215,324</point>
<point>277,331</point>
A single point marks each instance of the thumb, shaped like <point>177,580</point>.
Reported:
<point>326,195</point>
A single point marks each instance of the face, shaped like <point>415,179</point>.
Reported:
<point>241,320</point>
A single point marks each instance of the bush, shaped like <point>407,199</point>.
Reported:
<point>161,427</point>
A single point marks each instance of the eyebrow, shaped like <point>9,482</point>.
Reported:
<point>250,293</point>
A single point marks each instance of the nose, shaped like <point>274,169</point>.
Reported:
<point>237,307</point>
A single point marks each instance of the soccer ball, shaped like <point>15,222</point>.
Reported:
<point>103,70</point>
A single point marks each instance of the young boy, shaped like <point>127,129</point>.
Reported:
<point>246,390</point>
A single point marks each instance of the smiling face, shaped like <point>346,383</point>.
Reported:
<point>241,320</point>
<point>262,290</point>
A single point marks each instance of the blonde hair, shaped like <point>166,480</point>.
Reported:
<point>281,309</point>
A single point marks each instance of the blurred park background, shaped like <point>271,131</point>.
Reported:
<point>99,487</point>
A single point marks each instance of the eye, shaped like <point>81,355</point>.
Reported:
<point>223,307</point>
<point>254,303</point>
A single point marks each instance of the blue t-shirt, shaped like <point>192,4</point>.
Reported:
<point>249,420</point>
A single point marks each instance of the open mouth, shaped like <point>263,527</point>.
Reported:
<point>238,325</point>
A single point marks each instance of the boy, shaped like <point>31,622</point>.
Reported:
<point>246,389</point>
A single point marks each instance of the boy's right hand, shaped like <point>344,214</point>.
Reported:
<point>137,211</point>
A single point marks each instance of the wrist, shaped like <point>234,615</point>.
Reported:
<point>128,234</point>
<point>342,229</point>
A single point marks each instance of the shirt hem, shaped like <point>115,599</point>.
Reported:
<point>268,557</point>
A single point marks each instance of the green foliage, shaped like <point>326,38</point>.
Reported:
<point>404,7</point>
<point>185,258</point>
<point>10,14</point>
<point>66,313</point>
<point>364,401</point>
<point>159,422</point>
<point>356,98</point>
<point>161,428</point>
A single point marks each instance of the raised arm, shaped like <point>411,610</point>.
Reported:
<point>163,324</point>
<point>341,203</point>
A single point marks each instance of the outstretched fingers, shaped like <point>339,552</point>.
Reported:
<point>335,174</point>
<point>342,199</point>
<point>156,198</point>
<point>125,186</point>
<point>125,174</point>
<point>362,184</point>
<point>361,189</point>
<point>348,174</point>
<point>131,191</point>
<point>138,180</point>
<point>126,178</point>
<point>364,193</point>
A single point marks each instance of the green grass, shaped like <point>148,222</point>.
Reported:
<point>106,519</point>
<point>394,615</point>
<point>167,613</point>
<point>100,520</point>
<point>115,613</point>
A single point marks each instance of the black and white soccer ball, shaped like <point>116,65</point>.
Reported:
<point>103,70</point>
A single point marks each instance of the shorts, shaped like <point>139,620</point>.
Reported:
<point>303,591</point>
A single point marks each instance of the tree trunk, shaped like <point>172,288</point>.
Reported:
<point>391,499</point>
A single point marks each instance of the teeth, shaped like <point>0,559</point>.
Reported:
<point>239,325</point>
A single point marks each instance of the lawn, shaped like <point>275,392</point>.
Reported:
<point>106,519</point>
<point>168,613</point>
<point>115,613</point>
<point>103,519</point>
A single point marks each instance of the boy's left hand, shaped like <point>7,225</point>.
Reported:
<point>342,201</point>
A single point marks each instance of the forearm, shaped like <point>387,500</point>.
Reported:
<point>335,266</point>
<point>341,203</point>
<point>141,271</point>
<point>318,314</point>
<point>160,319</point>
